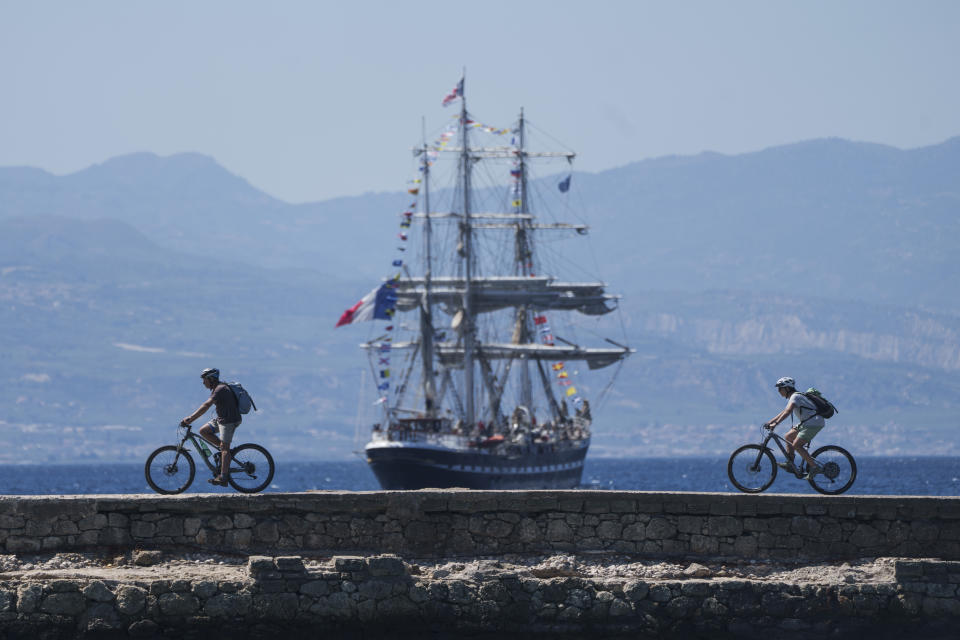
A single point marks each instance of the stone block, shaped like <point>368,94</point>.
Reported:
<point>51,542</point>
<point>228,605</point>
<point>697,588</point>
<point>703,544</point>
<point>98,592</point>
<point>12,522</point>
<point>634,532</point>
<point>244,521</point>
<point>18,544</point>
<point>258,565</point>
<point>238,539</point>
<point>386,566</point>
<point>38,528</point>
<point>204,589</point>
<point>315,588</point>
<point>65,528</point>
<point>181,585</point>
<point>805,526</point>
<point>131,600</point>
<point>349,563</point>
<point>114,536</point>
<point>178,604</point>
<point>690,524</point>
<point>724,526</point>
<point>170,527</point>
<point>290,564</point>
<point>723,507</point>
<point>220,522</point>
<point>559,531</point>
<point>28,597</point>
<point>865,536</point>
<point>140,529</point>
<point>609,530</point>
<point>63,586</point>
<point>266,532</point>
<point>67,604</point>
<point>118,520</point>
<point>147,558</point>
<point>660,529</point>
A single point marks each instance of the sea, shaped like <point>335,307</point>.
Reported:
<point>906,475</point>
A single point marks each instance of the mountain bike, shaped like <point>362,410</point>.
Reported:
<point>752,468</point>
<point>170,469</point>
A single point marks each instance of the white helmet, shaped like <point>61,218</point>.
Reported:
<point>786,382</point>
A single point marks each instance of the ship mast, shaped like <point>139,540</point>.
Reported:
<point>426,312</point>
<point>523,257</point>
<point>466,230</point>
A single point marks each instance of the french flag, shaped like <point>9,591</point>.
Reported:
<point>379,304</point>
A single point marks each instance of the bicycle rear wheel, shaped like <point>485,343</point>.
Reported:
<point>251,468</point>
<point>752,468</point>
<point>169,470</point>
<point>839,470</point>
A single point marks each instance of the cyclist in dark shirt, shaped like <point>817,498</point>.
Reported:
<point>226,422</point>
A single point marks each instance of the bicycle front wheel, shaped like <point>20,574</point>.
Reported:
<point>839,470</point>
<point>752,468</point>
<point>169,470</point>
<point>251,468</point>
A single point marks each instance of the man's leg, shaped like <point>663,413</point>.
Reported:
<point>226,438</point>
<point>207,433</point>
<point>224,461</point>
<point>802,450</point>
<point>790,438</point>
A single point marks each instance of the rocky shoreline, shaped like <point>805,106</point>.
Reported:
<point>154,594</point>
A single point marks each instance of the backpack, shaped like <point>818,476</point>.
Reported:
<point>824,407</point>
<point>244,401</point>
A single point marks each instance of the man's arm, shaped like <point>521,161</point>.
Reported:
<point>200,411</point>
<point>780,416</point>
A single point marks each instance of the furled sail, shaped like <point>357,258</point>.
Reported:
<point>451,354</point>
<point>495,293</point>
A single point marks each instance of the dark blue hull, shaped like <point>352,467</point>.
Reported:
<point>412,466</point>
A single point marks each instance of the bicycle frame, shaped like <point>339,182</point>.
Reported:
<point>194,438</point>
<point>781,443</point>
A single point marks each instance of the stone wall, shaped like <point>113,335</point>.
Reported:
<point>385,597</point>
<point>437,523</point>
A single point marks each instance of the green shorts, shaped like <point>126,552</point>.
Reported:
<point>807,431</point>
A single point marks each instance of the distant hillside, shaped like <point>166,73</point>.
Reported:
<point>826,218</point>
<point>831,261</point>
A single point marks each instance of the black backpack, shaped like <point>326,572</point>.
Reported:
<point>824,407</point>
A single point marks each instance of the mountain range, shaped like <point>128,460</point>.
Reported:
<point>833,261</point>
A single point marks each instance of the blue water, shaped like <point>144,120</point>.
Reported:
<point>934,476</point>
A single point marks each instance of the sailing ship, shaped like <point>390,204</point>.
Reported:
<point>488,393</point>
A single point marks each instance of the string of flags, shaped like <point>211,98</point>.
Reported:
<point>563,378</point>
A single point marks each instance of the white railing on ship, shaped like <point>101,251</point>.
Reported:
<point>451,440</point>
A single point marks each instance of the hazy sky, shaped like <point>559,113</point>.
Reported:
<point>311,100</point>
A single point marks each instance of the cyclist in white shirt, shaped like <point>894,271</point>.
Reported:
<point>809,424</point>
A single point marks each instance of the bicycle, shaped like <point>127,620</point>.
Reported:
<point>752,468</point>
<point>170,469</point>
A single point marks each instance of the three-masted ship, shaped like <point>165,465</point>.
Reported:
<point>488,394</point>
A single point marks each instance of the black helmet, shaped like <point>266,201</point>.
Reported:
<point>210,373</point>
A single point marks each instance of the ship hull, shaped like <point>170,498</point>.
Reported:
<point>401,465</point>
